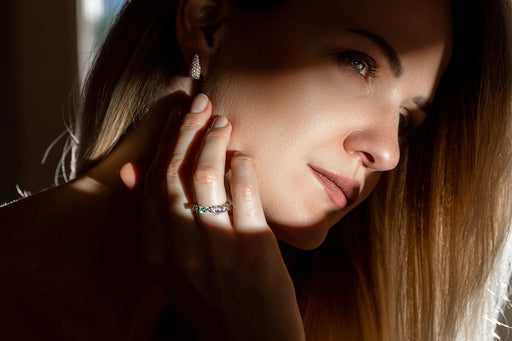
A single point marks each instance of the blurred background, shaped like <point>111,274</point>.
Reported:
<point>48,48</point>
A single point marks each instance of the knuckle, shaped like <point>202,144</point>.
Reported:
<point>206,175</point>
<point>247,195</point>
<point>173,179</point>
<point>216,136</point>
<point>251,209</point>
<point>192,122</point>
<point>174,167</point>
<point>247,191</point>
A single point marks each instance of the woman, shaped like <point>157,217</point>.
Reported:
<point>305,106</point>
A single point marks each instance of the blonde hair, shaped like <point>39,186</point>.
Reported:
<point>138,57</point>
<point>427,257</point>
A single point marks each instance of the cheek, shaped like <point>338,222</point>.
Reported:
<point>283,121</point>
<point>288,105</point>
<point>267,111</point>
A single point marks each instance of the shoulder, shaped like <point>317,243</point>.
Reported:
<point>80,206</point>
<point>50,220</point>
<point>53,204</point>
<point>69,255</point>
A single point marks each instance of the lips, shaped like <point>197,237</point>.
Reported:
<point>341,190</point>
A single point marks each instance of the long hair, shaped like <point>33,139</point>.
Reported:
<point>441,220</point>
<point>427,256</point>
<point>139,56</point>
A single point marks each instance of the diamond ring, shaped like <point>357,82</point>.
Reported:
<point>212,209</point>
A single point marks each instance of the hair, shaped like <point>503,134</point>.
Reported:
<point>427,256</point>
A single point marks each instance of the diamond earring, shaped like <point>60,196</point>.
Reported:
<point>195,67</point>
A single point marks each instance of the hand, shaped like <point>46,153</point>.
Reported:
<point>224,275</point>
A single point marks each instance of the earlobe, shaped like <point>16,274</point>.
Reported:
<point>197,27</point>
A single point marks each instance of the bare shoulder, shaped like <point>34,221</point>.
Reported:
<point>63,221</point>
<point>54,204</point>
<point>46,220</point>
<point>69,255</point>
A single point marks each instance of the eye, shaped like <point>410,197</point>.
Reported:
<point>405,125</point>
<point>362,64</point>
<point>359,66</point>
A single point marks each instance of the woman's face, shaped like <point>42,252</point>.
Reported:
<point>318,93</point>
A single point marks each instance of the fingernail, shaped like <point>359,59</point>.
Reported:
<point>199,104</point>
<point>220,121</point>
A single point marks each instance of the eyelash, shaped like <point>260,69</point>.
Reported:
<point>356,59</point>
<point>405,125</point>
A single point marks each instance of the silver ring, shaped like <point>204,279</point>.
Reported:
<point>211,209</point>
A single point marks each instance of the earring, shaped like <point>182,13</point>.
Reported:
<point>195,67</point>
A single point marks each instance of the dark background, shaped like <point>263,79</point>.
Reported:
<point>39,71</point>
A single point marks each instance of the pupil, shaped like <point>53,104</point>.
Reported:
<point>358,65</point>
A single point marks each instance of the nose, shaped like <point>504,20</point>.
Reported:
<point>376,144</point>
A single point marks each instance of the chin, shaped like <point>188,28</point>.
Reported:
<point>305,229</point>
<point>305,238</point>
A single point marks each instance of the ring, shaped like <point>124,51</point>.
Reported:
<point>211,209</point>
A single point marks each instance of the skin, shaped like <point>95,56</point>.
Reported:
<point>345,116</point>
<point>344,119</point>
<point>284,75</point>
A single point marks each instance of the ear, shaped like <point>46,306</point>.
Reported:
<point>199,26</point>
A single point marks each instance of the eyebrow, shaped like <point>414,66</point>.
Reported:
<point>385,47</point>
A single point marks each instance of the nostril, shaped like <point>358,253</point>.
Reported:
<point>369,157</point>
<point>376,150</point>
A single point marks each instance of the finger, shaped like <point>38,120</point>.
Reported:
<point>193,122</point>
<point>208,180</point>
<point>189,136</point>
<point>248,215</point>
<point>172,151</point>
